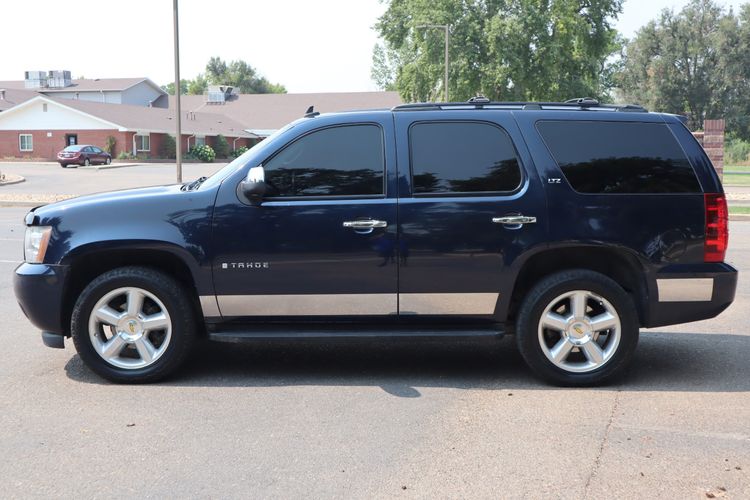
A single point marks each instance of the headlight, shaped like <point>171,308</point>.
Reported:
<point>35,243</point>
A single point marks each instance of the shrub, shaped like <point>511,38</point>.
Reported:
<point>110,145</point>
<point>221,146</point>
<point>239,151</point>
<point>737,151</point>
<point>168,147</point>
<point>204,153</point>
<point>125,155</point>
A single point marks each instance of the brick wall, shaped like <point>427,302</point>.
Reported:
<point>712,140</point>
<point>46,148</point>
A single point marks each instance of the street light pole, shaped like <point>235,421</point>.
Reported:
<point>445,27</point>
<point>177,92</point>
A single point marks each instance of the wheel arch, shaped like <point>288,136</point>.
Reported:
<point>621,265</point>
<point>91,260</point>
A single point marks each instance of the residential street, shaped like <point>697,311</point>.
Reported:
<point>368,419</point>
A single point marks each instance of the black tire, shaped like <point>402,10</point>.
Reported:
<point>63,165</point>
<point>86,162</point>
<point>543,294</point>
<point>174,299</point>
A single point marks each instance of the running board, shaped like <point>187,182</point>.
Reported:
<point>292,332</point>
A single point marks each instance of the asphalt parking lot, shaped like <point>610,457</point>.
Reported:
<point>373,419</point>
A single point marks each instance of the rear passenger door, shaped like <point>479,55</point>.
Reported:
<point>470,204</point>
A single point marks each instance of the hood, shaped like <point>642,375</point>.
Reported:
<point>107,199</point>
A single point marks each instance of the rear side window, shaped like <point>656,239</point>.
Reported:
<point>619,157</point>
<point>462,157</point>
<point>338,161</point>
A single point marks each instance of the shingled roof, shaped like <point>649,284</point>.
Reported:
<point>85,85</point>
<point>273,111</point>
<point>157,119</point>
<point>10,97</point>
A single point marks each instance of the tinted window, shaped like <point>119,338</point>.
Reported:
<point>616,157</point>
<point>339,161</point>
<point>72,149</point>
<point>96,150</point>
<point>462,157</point>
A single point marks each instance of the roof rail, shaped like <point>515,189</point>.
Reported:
<point>481,102</point>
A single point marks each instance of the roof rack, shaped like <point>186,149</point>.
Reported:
<point>481,102</point>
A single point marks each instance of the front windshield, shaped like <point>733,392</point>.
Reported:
<point>242,160</point>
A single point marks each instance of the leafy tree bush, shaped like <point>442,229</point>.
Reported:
<point>168,147</point>
<point>204,153</point>
<point>737,152</point>
<point>110,145</point>
<point>239,151</point>
<point>520,50</point>
<point>221,146</point>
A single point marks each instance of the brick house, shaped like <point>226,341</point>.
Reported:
<point>41,126</point>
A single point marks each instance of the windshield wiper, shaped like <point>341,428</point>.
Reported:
<point>193,185</point>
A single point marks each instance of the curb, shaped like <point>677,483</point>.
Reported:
<point>13,181</point>
<point>739,217</point>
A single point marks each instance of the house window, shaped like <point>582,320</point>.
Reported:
<point>200,140</point>
<point>143,142</point>
<point>26,142</point>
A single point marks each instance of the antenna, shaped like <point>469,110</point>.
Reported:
<point>311,113</point>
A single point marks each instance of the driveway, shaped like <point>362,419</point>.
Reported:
<point>375,419</point>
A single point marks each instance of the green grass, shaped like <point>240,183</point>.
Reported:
<point>739,210</point>
<point>736,180</point>
<point>737,168</point>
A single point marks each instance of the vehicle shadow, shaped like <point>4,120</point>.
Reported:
<point>663,362</point>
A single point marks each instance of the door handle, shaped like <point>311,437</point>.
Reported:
<point>514,220</point>
<point>365,224</point>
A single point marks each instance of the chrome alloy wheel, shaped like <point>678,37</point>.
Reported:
<point>579,331</point>
<point>130,328</point>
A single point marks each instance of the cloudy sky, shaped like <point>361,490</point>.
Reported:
<point>320,46</point>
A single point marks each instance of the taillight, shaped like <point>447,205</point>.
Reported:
<point>717,229</point>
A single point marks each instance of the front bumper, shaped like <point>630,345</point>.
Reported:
<point>682,294</point>
<point>39,291</point>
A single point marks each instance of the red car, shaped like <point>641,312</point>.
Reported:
<point>83,155</point>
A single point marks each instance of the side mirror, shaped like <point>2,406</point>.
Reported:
<point>253,187</point>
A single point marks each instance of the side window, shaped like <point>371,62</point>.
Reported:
<point>619,157</point>
<point>337,161</point>
<point>462,157</point>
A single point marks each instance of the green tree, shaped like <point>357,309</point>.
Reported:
<point>168,147</point>
<point>221,146</point>
<point>240,75</point>
<point>509,50</point>
<point>169,88</point>
<point>694,62</point>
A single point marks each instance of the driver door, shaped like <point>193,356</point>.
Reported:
<point>323,241</point>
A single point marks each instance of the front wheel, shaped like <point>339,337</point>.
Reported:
<point>577,328</point>
<point>133,324</point>
<point>108,160</point>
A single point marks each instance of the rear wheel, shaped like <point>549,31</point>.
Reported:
<point>133,324</point>
<point>86,162</point>
<point>577,327</point>
<point>108,160</point>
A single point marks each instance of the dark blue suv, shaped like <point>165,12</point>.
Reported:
<point>570,225</point>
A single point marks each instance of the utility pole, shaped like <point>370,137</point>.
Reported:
<point>445,27</point>
<point>177,92</point>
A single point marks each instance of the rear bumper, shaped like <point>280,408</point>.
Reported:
<point>691,293</point>
<point>39,291</point>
